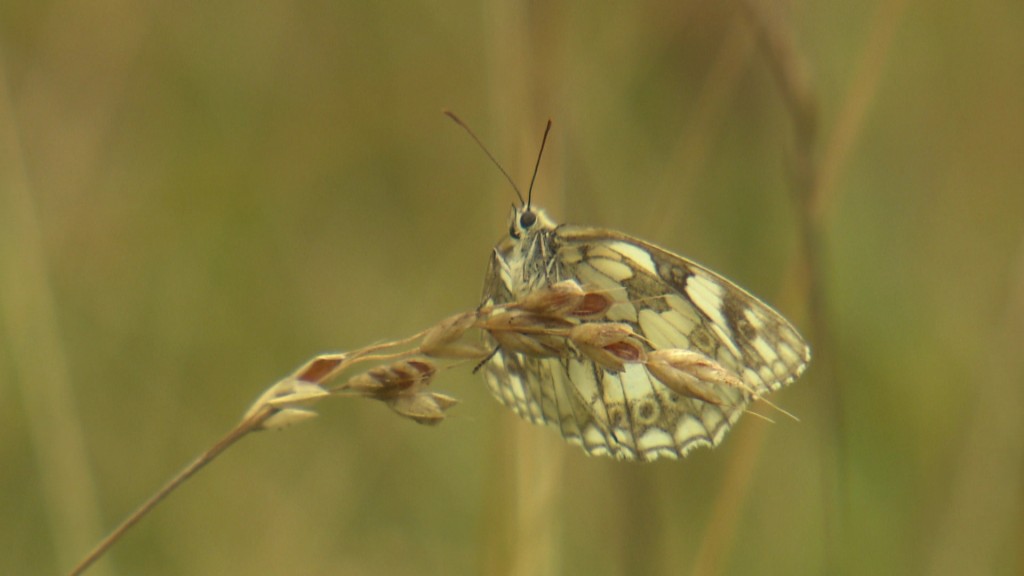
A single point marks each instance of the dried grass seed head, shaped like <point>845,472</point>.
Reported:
<point>424,407</point>
<point>443,339</point>
<point>558,299</point>
<point>611,345</point>
<point>693,374</point>
<point>394,379</point>
<point>526,333</point>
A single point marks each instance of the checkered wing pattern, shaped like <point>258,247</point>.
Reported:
<point>668,300</point>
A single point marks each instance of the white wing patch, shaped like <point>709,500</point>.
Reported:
<point>617,271</point>
<point>659,329</point>
<point>638,256</point>
<point>707,296</point>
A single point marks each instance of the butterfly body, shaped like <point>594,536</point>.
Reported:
<point>670,303</point>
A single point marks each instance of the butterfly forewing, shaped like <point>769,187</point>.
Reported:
<point>672,303</point>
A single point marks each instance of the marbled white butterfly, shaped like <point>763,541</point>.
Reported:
<point>698,349</point>
<point>672,303</point>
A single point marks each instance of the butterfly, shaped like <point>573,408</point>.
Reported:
<point>671,303</point>
<point>693,349</point>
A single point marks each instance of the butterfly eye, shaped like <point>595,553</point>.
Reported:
<point>527,219</point>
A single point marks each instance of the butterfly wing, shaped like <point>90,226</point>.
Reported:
<point>673,303</point>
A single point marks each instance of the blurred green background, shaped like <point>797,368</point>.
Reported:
<point>196,197</point>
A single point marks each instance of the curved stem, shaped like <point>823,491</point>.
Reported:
<point>236,434</point>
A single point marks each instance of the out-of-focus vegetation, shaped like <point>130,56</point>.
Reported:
<point>197,197</point>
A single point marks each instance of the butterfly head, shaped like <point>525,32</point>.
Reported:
<point>528,220</point>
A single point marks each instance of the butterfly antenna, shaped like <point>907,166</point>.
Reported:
<point>469,130</point>
<point>529,193</point>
